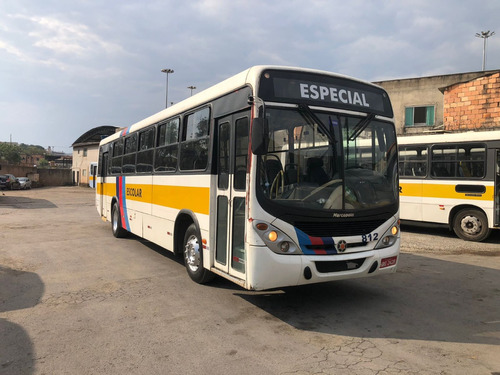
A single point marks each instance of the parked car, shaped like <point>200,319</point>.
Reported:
<point>12,182</point>
<point>3,182</point>
<point>24,183</point>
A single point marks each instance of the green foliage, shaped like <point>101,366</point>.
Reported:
<point>43,163</point>
<point>32,149</point>
<point>10,152</point>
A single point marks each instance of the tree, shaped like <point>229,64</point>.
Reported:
<point>43,163</point>
<point>10,152</point>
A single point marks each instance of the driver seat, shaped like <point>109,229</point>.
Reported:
<point>315,171</point>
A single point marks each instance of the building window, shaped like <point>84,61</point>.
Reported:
<point>419,116</point>
<point>84,152</point>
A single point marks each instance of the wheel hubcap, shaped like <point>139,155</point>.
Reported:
<point>192,253</point>
<point>471,225</point>
<point>115,220</point>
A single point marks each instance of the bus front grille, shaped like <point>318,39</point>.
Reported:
<point>334,229</point>
<point>339,266</point>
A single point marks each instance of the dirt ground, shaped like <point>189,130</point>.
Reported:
<point>76,300</point>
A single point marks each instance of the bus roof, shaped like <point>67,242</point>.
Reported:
<point>469,136</point>
<point>249,77</point>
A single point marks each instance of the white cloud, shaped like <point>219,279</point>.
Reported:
<point>94,62</point>
<point>66,38</point>
<point>12,50</point>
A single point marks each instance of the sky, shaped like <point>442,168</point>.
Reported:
<point>69,66</point>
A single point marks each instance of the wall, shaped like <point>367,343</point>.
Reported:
<point>54,177</point>
<point>46,177</point>
<point>422,91</point>
<point>473,105</point>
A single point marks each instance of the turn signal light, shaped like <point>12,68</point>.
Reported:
<point>273,236</point>
<point>261,226</point>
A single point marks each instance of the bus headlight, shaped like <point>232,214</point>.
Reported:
<point>389,238</point>
<point>285,247</point>
<point>276,240</point>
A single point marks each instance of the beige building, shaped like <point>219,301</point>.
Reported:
<point>86,151</point>
<point>419,103</point>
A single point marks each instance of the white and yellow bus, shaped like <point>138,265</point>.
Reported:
<point>92,174</point>
<point>451,179</point>
<point>260,179</point>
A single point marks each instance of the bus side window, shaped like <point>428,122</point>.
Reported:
<point>145,154</point>
<point>130,150</point>
<point>167,146</point>
<point>413,161</point>
<point>241,154</point>
<point>194,146</point>
<point>116,161</point>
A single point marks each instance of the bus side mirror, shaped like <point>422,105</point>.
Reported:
<point>260,136</point>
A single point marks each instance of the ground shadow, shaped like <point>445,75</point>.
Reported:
<point>218,282</point>
<point>427,299</point>
<point>18,290</point>
<point>24,203</point>
<point>16,349</point>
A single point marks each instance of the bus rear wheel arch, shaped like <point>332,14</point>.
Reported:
<point>471,224</point>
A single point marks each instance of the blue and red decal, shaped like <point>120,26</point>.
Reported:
<point>315,245</point>
<point>124,132</point>
<point>122,201</point>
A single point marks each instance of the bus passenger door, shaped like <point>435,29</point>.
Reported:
<point>100,187</point>
<point>497,189</point>
<point>232,155</point>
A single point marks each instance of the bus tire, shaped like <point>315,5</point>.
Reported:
<point>193,256</point>
<point>116,222</point>
<point>471,225</point>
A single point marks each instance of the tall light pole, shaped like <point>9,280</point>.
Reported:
<point>485,35</point>
<point>192,88</point>
<point>167,72</point>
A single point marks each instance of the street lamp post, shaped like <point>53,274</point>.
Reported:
<point>192,88</point>
<point>167,72</point>
<point>485,35</point>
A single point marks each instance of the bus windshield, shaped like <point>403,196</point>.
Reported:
<point>322,160</point>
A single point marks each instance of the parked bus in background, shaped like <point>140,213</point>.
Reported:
<point>92,174</point>
<point>452,179</point>
<point>262,179</point>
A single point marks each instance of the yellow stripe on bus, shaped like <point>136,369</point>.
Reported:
<point>196,199</point>
<point>442,191</point>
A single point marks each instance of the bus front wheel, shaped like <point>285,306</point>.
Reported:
<point>193,256</point>
<point>116,222</point>
<point>471,225</point>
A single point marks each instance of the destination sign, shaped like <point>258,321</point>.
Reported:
<point>323,90</point>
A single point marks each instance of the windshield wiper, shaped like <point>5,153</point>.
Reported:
<point>311,117</point>
<point>360,126</point>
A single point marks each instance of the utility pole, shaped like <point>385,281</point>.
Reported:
<point>484,35</point>
<point>167,72</point>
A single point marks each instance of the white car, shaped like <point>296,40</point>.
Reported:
<point>24,183</point>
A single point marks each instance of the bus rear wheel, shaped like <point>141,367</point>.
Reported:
<point>193,256</point>
<point>116,222</point>
<point>471,225</point>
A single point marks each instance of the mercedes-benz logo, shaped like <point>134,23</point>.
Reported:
<point>341,246</point>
